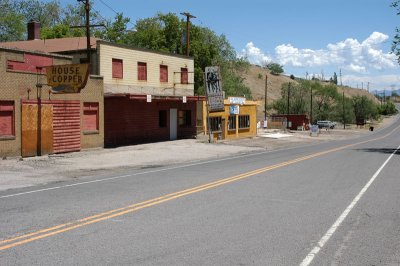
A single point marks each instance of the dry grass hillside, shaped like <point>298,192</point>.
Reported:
<point>254,78</point>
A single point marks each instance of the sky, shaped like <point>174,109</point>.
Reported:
<point>307,37</point>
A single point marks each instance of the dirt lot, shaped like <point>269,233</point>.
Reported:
<point>16,173</point>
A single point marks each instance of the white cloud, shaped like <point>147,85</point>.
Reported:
<point>350,54</point>
<point>255,55</point>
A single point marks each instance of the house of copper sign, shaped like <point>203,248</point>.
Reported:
<point>67,78</point>
<point>215,95</point>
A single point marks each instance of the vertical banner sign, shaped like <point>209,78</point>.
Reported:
<point>215,96</point>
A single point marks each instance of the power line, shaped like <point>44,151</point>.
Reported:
<point>117,13</point>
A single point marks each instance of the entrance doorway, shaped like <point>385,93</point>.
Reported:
<point>173,124</point>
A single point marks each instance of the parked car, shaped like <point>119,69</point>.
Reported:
<point>326,124</point>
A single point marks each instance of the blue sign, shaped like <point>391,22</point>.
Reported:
<point>234,109</point>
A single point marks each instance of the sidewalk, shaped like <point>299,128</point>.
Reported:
<point>16,173</point>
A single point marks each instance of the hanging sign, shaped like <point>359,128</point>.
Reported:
<point>215,95</point>
<point>237,100</point>
<point>148,98</point>
<point>69,78</point>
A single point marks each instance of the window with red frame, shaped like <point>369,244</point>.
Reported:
<point>7,118</point>
<point>117,68</point>
<point>142,71</point>
<point>90,116</point>
<point>163,73</point>
<point>184,76</point>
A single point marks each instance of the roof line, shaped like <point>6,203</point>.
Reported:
<point>34,52</point>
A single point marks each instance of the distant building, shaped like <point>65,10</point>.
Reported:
<point>148,95</point>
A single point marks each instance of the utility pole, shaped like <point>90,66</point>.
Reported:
<point>265,98</point>
<point>87,26</point>
<point>368,86</point>
<point>288,106</point>
<point>344,119</point>
<point>311,110</point>
<point>188,17</point>
<point>340,74</point>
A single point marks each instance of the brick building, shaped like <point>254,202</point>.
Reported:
<point>67,122</point>
<point>149,96</point>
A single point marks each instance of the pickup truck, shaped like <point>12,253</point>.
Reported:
<point>326,124</point>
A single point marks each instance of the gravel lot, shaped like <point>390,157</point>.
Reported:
<point>17,173</point>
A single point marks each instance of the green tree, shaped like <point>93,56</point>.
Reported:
<point>389,108</point>
<point>275,68</point>
<point>164,33</point>
<point>364,108</point>
<point>334,78</point>
<point>299,98</point>
<point>12,27</point>
<point>116,31</point>
<point>324,101</point>
<point>396,39</point>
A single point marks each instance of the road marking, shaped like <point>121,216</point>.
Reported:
<point>147,172</point>
<point>321,243</point>
<point>30,237</point>
<point>165,169</point>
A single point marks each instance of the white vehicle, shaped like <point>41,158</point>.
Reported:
<point>326,124</point>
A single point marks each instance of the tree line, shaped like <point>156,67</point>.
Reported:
<point>327,103</point>
<point>162,32</point>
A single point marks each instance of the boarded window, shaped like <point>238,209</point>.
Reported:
<point>162,118</point>
<point>142,71</point>
<point>90,116</point>
<point>185,118</point>
<point>117,68</point>
<point>7,118</point>
<point>244,121</point>
<point>184,76</point>
<point>163,73</point>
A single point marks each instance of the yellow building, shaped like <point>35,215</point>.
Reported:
<point>238,120</point>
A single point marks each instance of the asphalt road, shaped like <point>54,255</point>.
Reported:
<point>334,203</point>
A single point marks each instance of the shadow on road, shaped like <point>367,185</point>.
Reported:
<point>381,150</point>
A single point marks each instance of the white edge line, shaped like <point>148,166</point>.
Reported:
<point>309,258</point>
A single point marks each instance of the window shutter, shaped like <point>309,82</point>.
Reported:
<point>91,116</point>
<point>142,71</point>
<point>163,73</point>
<point>117,68</point>
<point>184,76</point>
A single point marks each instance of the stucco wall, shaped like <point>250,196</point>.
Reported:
<point>130,83</point>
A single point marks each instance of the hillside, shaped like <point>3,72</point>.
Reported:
<point>254,78</point>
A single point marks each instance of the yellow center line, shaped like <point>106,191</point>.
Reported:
<point>23,239</point>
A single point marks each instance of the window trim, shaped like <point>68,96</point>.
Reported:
<point>243,117</point>
<point>186,119</point>
<point>9,108</point>
<point>91,107</point>
<point>140,67</point>
<point>163,67</point>
<point>219,119</point>
<point>184,71</point>
<point>165,115</point>
<point>115,61</point>
<point>232,124</point>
